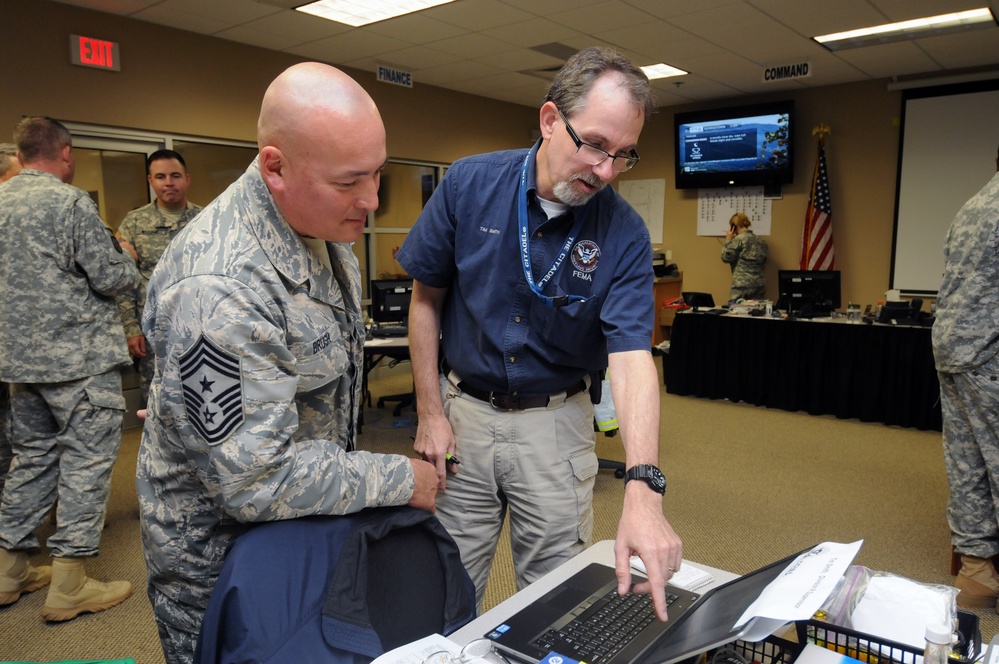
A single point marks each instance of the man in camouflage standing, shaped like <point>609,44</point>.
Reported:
<point>965,345</point>
<point>254,317</point>
<point>9,167</point>
<point>149,229</point>
<point>62,346</point>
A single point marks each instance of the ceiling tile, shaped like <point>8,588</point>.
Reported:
<point>125,7</point>
<point>348,46</point>
<point>471,45</point>
<point>967,49</point>
<point>477,15</point>
<point>532,32</point>
<point>414,58</point>
<point>285,28</point>
<point>602,17</point>
<point>206,17</point>
<point>549,7</point>
<point>675,8</point>
<point>462,70</point>
<point>887,60</point>
<point>523,60</point>
<point>812,18</point>
<point>416,28</point>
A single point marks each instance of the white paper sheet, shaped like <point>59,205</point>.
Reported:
<point>801,589</point>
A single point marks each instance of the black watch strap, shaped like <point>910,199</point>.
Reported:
<point>649,474</point>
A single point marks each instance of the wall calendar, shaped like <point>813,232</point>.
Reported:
<point>716,206</point>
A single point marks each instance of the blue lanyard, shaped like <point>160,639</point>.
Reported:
<point>525,247</point>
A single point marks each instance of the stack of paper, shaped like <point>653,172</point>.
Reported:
<point>687,577</point>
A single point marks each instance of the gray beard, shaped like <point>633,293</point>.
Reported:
<point>572,197</point>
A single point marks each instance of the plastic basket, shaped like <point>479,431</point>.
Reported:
<point>876,650</point>
<point>772,650</point>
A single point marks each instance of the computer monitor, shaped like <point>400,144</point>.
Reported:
<point>390,300</point>
<point>808,292</point>
<point>696,300</point>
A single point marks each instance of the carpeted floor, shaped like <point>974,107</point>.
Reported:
<point>746,486</point>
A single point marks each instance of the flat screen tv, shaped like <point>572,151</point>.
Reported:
<point>735,147</point>
<point>809,292</point>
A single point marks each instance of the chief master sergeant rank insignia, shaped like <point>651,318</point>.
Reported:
<point>213,394</point>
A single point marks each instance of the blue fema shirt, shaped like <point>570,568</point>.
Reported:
<point>497,334</point>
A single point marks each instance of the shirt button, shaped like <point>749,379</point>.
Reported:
<point>540,234</point>
<point>516,319</point>
<point>512,359</point>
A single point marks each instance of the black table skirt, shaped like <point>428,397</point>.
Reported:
<point>875,373</point>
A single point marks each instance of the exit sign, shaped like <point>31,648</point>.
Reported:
<point>90,52</point>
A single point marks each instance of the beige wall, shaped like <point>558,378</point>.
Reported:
<point>185,83</point>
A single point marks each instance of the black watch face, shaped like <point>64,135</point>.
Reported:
<point>650,475</point>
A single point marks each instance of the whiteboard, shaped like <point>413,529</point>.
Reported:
<point>948,153</point>
<point>648,197</point>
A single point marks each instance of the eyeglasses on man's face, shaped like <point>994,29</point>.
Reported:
<point>595,156</point>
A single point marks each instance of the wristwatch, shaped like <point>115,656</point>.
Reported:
<point>648,474</point>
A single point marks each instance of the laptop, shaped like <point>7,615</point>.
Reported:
<point>574,620</point>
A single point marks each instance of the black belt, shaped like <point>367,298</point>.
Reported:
<point>514,401</point>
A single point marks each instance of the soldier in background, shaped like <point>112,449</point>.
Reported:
<point>62,348</point>
<point>254,317</point>
<point>746,252</point>
<point>9,167</point>
<point>965,345</point>
<point>149,229</point>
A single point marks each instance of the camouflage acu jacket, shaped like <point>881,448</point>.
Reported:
<point>60,269</point>
<point>254,401</point>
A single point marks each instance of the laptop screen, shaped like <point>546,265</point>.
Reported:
<point>712,622</point>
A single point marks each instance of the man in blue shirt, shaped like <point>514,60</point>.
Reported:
<point>530,273</point>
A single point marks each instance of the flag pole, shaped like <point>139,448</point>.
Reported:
<point>822,130</point>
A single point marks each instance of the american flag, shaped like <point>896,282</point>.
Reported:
<point>817,237</point>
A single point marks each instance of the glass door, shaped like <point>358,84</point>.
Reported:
<point>113,172</point>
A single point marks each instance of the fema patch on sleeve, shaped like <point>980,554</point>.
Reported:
<point>213,393</point>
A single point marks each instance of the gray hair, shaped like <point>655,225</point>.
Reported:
<point>575,79</point>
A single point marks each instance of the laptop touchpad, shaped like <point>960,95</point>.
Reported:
<point>564,599</point>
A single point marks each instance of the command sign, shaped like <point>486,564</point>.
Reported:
<point>90,52</point>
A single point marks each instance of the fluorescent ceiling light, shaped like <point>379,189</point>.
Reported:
<point>919,27</point>
<point>662,71</point>
<point>357,14</point>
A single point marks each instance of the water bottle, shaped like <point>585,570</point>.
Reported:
<point>938,639</point>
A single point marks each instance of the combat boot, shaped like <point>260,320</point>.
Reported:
<point>978,583</point>
<point>72,592</point>
<point>18,576</point>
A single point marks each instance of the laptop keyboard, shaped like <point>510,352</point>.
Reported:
<point>603,630</point>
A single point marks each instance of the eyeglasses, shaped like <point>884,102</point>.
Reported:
<point>595,156</point>
<point>479,651</point>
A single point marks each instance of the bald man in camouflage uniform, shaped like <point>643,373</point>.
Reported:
<point>254,316</point>
<point>965,345</point>
<point>150,229</point>
<point>62,348</point>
